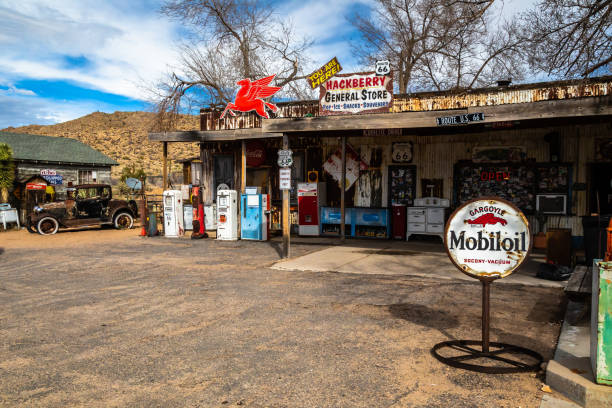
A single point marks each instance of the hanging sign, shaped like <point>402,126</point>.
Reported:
<point>285,158</point>
<point>324,73</point>
<point>460,119</point>
<point>356,94</point>
<point>487,238</point>
<point>48,172</point>
<point>284,178</point>
<point>250,97</point>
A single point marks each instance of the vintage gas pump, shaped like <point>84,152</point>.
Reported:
<point>199,227</point>
<point>227,215</point>
<point>254,211</point>
<point>173,213</point>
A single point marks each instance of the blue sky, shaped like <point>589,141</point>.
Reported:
<point>62,59</point>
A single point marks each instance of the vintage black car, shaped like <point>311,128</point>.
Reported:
<point>85,205</point>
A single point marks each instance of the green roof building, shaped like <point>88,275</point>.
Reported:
<point>46,166</point>
<point>49,149</point>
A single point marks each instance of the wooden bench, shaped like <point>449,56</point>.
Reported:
<point>580,283</point>
<point>578,289</point>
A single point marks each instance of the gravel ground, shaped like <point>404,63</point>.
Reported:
<point>106,318</point>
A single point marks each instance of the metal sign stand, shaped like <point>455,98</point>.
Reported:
<point>485,356</point>
<point>493,357</point>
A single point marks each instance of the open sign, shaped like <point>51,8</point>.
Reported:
<point>495,175</point>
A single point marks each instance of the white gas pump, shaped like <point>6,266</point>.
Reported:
<point>173,213</point>
<point>227,215</point>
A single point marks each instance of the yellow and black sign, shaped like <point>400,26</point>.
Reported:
<point>322,74</point>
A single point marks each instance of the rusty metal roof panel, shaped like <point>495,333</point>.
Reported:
<point>431,101</point>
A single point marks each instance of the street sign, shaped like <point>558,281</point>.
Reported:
<point>487,238</point>
<point>285,158</point>
<point>284,179</point>
<point>460,119</point>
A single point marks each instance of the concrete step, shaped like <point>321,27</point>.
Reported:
<point>570,372</point>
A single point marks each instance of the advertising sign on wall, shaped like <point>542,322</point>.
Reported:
<point>55,180</point>
<point>357,93</point>
<point>255,153</point>
<point>333,166</point>
<point>487,238</point>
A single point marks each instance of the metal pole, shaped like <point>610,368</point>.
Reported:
<point>165,166</point>
<point>485,315</point>
<point>286,230</point>
<point>342,186</point>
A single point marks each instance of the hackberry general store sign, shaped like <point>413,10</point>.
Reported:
<point>356,93</point>
<point>487,238</point>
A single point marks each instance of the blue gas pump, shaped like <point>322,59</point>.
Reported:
<point>254,209</point>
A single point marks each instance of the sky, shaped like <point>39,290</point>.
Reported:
<point>62,59</point>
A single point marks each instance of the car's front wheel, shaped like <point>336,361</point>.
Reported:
<point>47,226</point>
<point>124,221</point>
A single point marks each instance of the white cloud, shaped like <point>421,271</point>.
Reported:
<point>22,110</point>
<point>17,91</point>
<point>123,46</point>
<point>325,22</point>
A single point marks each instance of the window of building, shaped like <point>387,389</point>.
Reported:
<point>87,176</point>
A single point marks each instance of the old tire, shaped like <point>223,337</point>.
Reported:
<point>123,220</point>
<point>47,226</point>
<point>31,228</point>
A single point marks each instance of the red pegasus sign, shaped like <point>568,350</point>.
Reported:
<point>249,97</point>
<point>487,219</point>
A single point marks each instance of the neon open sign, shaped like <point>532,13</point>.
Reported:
<point>495,175</point>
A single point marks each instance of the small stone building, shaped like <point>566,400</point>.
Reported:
<point>47,165</point>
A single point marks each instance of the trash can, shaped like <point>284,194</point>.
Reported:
<point>152,216</point>
<point>595,236</point>
<point>601,322</point>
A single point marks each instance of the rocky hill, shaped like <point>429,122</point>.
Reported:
<point>121,136</point>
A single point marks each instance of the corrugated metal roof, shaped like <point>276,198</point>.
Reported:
<point>432,101</point>
<point>53,149</point>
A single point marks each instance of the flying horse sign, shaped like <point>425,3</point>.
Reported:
<point>250,97</point>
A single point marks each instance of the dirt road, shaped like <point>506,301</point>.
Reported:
<point>106,318</point>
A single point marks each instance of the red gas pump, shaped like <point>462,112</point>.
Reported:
<point>199,229</point>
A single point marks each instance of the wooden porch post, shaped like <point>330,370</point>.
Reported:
<point>285,213</point>
<point>243,169</point>
<point>202,167</point>
<point>165,166</point>
<point>342,186</point>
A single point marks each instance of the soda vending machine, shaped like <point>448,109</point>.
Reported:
<point>311,197</point>
<point>173,213</point>
<point>227,213</point>
<point>254,210</point>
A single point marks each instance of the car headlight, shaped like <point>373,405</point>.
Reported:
<point>38,209</point>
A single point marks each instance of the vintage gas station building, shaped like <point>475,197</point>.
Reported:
<point>546,147</point>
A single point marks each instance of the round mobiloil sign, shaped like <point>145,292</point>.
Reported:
<point>487,238</point>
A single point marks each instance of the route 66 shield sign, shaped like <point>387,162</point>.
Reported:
<point>382,68</point>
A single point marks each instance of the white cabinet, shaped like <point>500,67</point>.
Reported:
<point>426,220</point>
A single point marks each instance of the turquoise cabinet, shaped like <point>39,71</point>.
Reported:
<point>601,322</point>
